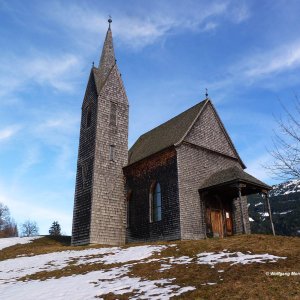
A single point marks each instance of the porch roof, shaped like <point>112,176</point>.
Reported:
<point>230,176</point>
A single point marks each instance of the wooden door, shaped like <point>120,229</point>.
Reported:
<point>216,222</point>
<point>228,223</point>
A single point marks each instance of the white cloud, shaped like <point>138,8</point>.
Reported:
<point>53,71</point>
<point>274,61</point>
<point>31,156</point>
<point>59,72</point>
<point>141,27</point>
<point>210,26</point>
<point>57,132</point>
<point>261,67</point>
<point>8,132</point>
<point>240,12</point>
<point>55,123</point>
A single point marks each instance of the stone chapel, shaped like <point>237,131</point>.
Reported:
<point>181,180</point>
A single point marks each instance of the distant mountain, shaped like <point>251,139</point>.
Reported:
<point>286,188</point>
<point>285,206</point>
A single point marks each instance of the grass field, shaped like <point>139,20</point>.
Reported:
<point>229,278</point>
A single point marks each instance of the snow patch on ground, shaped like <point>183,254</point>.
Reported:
<point>182,260</point>
<point>8,242</point>
<point>12,269</point>
<point>119,255</point>
<point>211,258</point>
<point>116,279</point>
<point>168,261</point>
<point>93,284</point>
<point>87,286</point>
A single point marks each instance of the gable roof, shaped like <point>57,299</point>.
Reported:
<point>165,135</point>
<point>231,175</point>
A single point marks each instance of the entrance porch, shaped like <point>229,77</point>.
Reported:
<point>223,199</point>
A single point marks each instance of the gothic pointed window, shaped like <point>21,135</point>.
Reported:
<point>112,155</point>
<point>113,114</point>
<point>155,203</point>
<point>89,118</point>
<point>84,174</point>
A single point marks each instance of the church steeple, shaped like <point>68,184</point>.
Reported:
<point>107,60</point>
<point>99,206</point>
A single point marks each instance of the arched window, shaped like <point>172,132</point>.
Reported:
<point>89,118</point>
<point>155,203</point>
<point>113,114</point>
<point>84,174</point>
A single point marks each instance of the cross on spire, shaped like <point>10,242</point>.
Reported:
<point>206,93</point>
<point>109,21</point>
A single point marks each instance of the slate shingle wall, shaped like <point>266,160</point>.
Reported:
<point>209,133</point>
<point>161,168</point>
<point>195,164</point>
<point>108,216</point>
<point>82,201</point>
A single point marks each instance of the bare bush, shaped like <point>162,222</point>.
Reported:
<point>286,145</point>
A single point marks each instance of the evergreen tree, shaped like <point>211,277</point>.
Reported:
<point>55,229</point>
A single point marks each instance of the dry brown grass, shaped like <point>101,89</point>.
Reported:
<point>236,282</point>
<point>46,244</point>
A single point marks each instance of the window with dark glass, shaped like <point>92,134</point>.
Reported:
<point>113,114</point>
<point>84,173</point>
<point>156,203</point>
<point>112,152</point>
<point>89,118</point>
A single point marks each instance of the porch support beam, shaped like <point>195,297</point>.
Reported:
<point>241,208</point>
<point>270,212</point>
<point>203,213</point>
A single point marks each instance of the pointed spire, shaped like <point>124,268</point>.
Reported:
<point>107,59</point>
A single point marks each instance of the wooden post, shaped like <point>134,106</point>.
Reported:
<point>270,213</point>
<point>203,210</point>
<point>242,214</point>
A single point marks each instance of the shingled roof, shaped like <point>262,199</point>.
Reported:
<point>165,135</point>
<point>232,175</point>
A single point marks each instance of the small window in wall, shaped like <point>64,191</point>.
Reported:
<point>89,118</point>
<point>113,114</point>
<point>84,174</point>
<point>155,203</point>
<point>112,154</point>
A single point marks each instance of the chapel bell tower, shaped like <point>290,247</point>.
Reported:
<point>99,214</point>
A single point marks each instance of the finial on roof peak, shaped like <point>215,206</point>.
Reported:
<point>109,21</point>
<point>206,93</point>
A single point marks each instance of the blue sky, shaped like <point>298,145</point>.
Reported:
<point>247,53</point>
